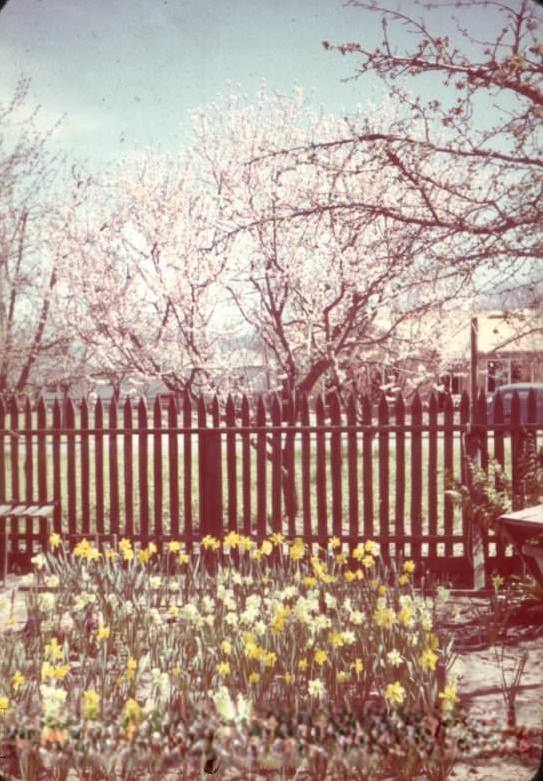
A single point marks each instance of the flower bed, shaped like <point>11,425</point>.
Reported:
<point>134,663</point>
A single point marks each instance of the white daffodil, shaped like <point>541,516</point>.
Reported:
<point>394,658</point>
<point>316,688</point>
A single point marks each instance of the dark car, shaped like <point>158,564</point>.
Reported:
<point>522,388</point>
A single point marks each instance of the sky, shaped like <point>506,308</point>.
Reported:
<point>125,73</point>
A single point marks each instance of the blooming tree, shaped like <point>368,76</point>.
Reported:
<point>143,290</point>
<point>318,270</point>
<point>35,198</point>
<point>482,136</point>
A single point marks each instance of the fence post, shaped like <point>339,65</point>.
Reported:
<point>474,537</point>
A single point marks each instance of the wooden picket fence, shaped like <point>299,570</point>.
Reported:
<point>304,469</point>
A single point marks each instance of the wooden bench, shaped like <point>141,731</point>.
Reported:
<point>521,527</point>
<point>26,509</point>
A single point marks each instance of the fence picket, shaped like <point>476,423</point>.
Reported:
<point>143,473</point>
<point>69,423</point>
<point>289,462</point>
<point>261,471</point>
<point>42,464</point>
<point>432,476</point>
<point>29,475</point>
<point>57,489</point>
<point>246,465</point>
<point>352,460</point>
<point>448,466</point>
<point>336,471</point>
<point>277,479</point>
<point>14,459</point>
<point>85,467</point>
<point>322,516</point>
<point>383,476</point>
<point>99,464</point>
<point>399,416</point>
<point>157,473</point>
<point>187,473</point>
<point>416,476</point>
<point>113,471</point>
<point>173,468</point>
<point>128,469</point>
<point>306,466</point>
<point>367,466</point>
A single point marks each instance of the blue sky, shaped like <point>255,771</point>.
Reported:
<point>126,72</point>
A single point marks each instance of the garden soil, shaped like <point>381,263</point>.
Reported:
<point>479,678</point>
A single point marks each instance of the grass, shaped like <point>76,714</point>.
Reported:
<point>164,511</point>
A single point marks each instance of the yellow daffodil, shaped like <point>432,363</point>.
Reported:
<point>223,668</point>
<point>54,540</point>
<point>53,650</point>
<point>226,647</point>
<point>254,677</point>
<point>409,566</point>
<point>132,710</point>
<point>174,546</point>
<point>498,581</point>
<point>320,657</point>
<point>371,547</point>
<point>289,678</point>
<point>211,542</point>
<point>309,581</point>
<point>403,580</point>
<point>131,667</point>
<point>449,696</point>
<point>341,676</point>
<point>334,542</point>
<point>302,664</point>
<point>395,692</point>
<point>103,632</point>
<point>341,558</point>
<point>358,665</point>
<point>385,617</point>
<point>17,680</point>
<point>183,558</point>
<point>90,704</point>
<point>266,548</point>
<point>428,660</point>
<point>350,576</point>
<point>4,705</point>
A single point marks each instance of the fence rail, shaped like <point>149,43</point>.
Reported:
<point>309,470</point>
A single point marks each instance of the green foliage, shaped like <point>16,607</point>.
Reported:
<point>489,496</point>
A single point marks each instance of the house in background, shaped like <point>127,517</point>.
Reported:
<point>510,350</point>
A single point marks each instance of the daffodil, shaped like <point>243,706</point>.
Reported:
<point>320,656</point>
<point>428,660</point>
<point>18,680</point>
<point>54,540</point>
<point>395,692</point>
<point>223,668</point>
<point>90,704</point>
<point>174,546</point>
<point>449,696</point>
<point>409,566</point>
